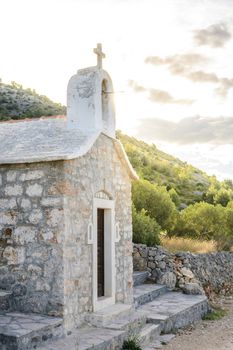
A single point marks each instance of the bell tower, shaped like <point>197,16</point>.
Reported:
<point>90,101</point>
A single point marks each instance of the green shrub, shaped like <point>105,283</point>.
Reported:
<point>206,221</point>
<point>145,229</point>
<point>155,200</point>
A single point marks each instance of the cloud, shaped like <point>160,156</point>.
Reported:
<point>190,130</point>
<point>201,76</point>
<point>158,96</point>
<point>178,64</point>
<point>162,96</point>
<point>186,66</point>
<point>136,88</point>
<point>214,36</point>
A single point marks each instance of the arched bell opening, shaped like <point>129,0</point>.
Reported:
<point>105,101</point>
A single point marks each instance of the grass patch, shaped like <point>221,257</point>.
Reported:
<point>132,343</point>
<point>215,315</point>
<point>176,244</point>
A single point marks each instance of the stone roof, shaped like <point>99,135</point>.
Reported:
<point>47,139</point>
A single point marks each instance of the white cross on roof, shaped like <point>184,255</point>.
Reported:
<point>100,55</point>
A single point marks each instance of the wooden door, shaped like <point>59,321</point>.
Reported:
<point>100,252</point>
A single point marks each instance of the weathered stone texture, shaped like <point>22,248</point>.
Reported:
<point>25,248</point>
<point>81,176</point>
<point>190,272</point>
<point>45,212</point>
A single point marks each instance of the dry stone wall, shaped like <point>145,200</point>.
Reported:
<point>212,272</point>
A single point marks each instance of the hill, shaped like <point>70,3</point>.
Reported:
<point>17,103</point>
<point>190,183</point>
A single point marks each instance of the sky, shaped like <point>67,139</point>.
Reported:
<point>171,62</point>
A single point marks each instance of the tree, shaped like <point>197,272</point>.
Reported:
<point>228,184</point>
<point>145,229</point>
<point>155,200</point>
<point>174,197</point>
<point>206,221</point>
<point>222,196</point>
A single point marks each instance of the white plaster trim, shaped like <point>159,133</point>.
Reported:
<point>117,233</point>
<point>90,234</point>
<point>110,272</point>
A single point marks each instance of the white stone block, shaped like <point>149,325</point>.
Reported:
<point>51,201</point>
<point>11,176</point>
<point>14,256</point>
<point>32,175</point>
<point>35,216</point>
<point>34,190</point>
<point>14,190</point>
<point>25,203</point>
<point>54,217</point>
<point>24,234</point>
<point>8,218</point>
<point>8,203</point>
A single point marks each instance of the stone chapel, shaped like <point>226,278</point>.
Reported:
<point>66,272</point>
<point>65,207</point>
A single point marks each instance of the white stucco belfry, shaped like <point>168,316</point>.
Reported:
<point>90,102</point>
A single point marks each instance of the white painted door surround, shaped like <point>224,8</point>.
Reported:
<point>109,254</point>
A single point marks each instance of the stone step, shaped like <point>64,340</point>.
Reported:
<point>26,331</point>
<point>133,322</point>
<point>175,310</point>
<point>140,277</point>
<point>158,343</point>
<point>166,313</point>
<point>149,333</point>
<point>89,338</point>
<point>109,315</point>
<point>5,300</point>
<point>146,293</point>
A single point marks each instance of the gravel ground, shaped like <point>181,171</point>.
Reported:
<point>207,335</point>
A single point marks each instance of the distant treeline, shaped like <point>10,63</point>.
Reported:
<point>17,103</point>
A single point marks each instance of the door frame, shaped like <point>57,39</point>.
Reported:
<point>109,254</point>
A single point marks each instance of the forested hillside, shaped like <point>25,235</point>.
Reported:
<point>190,183</point>
<point>17,103</point>
<point>177,199</point>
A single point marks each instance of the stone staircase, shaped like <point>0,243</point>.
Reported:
<point>5,300</point>
<point>155,310</point>
<point>19,331</point>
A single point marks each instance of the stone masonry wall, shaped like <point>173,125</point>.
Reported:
<point>45,209</point>
<point>99,170</point>
<point>31,234</point>
<point>190,272</point>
